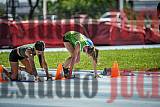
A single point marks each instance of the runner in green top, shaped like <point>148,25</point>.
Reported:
<point>77,38</point>
<point>74,43</point>
<point>25,54</point>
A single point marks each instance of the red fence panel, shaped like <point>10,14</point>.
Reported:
<point>20,33</point>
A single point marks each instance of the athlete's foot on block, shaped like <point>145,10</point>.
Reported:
<point>97,76</point>
<point>49,77</point>
<point>66,72</point>
<point>13,79</point>
<point>37,79</point>
<point>8,74</point>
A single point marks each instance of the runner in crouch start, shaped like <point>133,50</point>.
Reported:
<point>25,54</point>
<point>76,42</point>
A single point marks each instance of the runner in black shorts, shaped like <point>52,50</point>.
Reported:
<point>14,57</point>
<point>25,54</point>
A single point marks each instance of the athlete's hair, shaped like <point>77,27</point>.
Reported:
<point>93,52</point>
<point>40,45</point>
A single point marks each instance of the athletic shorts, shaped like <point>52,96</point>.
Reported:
<point>14,57</point>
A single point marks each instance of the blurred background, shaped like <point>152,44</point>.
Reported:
<point>106,22</point>
<point>64,9</point>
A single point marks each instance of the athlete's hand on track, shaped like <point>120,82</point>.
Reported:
<point>97,76</point>
<point>37,79</point>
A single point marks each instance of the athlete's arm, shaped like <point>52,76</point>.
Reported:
<point>95,67</point>
<point>74,57</point>
<point>31,61</point>
<point>43,63</point>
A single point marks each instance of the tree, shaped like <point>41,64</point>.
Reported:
<point>32,8</point>
<point>2,11</point>
<point>93,8</point>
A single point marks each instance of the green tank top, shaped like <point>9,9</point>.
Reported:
<point>75,37</point>
<point>22,49</point>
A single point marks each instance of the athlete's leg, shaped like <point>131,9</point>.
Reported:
<point>8,74</point>
<point>70,48</point>
<point>27,67</point>
<point>78,58</point>
<point>13,59</point>
<point>14,70</point>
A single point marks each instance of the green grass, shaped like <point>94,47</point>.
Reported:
<point>136,59</point>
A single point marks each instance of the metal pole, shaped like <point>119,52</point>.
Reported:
<point>13,10</point>
<point>121,2</point>
<point>44,9</point>
<point>7,8</point>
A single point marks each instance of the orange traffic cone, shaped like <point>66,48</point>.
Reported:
<point>59,75</point>
<point>115,70</point>
<point>1,71</point>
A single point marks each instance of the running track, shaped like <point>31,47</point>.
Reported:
<point>82,89</point>
<point>79,91</point>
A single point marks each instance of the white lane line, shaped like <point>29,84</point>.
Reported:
<point>99,47</point>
